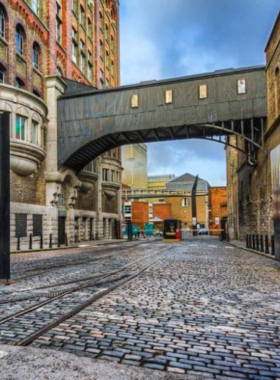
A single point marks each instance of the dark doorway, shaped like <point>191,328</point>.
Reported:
<point>61,230</point>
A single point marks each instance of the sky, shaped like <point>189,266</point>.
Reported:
<point>161,39</point>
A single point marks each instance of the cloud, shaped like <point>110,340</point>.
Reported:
<point>163,39</point>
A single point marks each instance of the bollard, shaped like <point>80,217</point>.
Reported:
<point>50,245</point>
<point>261,243</point>
<point>272,245</point>
<point>266,248</point>
<point>41,241</point>
<point>66,240</point>
<point>247,241</point>
<point>30,241</point>
<point>18,243</point>
<point>90,236</point>
<point>253,240</point>
<point>257,243</point>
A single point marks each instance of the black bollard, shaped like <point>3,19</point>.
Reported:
<point>266,248</point>
<point>253,245</point>
<point>18,243</point>
<point>257,243</point>
<point>41,241</point>
<point>66,240</point>
<point>272,245</point>
<point>261,243</point>
<point>30,241</point>
<point>247,241</point>
<point>50,245</point>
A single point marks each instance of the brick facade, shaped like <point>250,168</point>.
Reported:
<point>38,47</point>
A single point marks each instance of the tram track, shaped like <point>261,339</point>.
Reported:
<point>39,318</point>
<point>50,268</point>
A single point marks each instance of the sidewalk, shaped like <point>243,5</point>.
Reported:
<point>242,245</point>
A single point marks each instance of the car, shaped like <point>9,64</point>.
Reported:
<point>203,231</point>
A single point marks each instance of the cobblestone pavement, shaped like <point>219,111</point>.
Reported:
<point>208,309</point>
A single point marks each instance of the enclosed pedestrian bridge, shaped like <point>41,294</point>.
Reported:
<point>209,106</point>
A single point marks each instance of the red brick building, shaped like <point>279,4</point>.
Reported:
<point>217,208</point>
<point>41,43</point>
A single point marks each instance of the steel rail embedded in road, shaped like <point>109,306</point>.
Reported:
<point>26,341</point>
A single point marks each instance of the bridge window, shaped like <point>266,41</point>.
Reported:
<point>134,101</point>
<point>241,86</point>
<point>185,202</point>
<point>168,96</point>
<point>105,175</point>
<point>203,91</point>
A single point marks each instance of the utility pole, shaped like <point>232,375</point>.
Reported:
<point>5,196</point>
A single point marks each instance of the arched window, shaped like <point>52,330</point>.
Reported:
<point>35,55</point>
<point>2,23</point>
<point>36,93</point>
<point>59,71</point>
<point>2,74</point>
<point>19,83</point>
<point>19,39</point>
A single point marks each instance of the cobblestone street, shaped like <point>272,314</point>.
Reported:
<point>206,308</point>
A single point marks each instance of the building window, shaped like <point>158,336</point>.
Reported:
<point>90,167</point>
<point>35,55</point>
<point>105,175</point>
<point>34,133</point>
<point>2,23</point>
<point>74,6</point>
<point>21,123</point>
<point>101,22</point>
<point>89,28</point>
<point>21,225</point>
<point>107,83</point>
<point>83,56</point>
<point>2,75</point>
<point>74,45</point>
<point>107,32</point>
<point>89,67</point>
<point>101,50</point>
<point>61,199</point>
<point>36,93</point>
<point>59,71</point>
<point>82,16</point>
<point>112,44</point>
<point>19,83</point>
<point>202,91</point>
<point>101,79</point>
<point>112,68</point>
<point>19,39</point>
<point>113,176</point>
<point>34,6</point>
<point>58,22</point>
<point>185,202</point>
<point>107,60</point>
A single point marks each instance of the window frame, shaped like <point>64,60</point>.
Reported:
<point>2,23</point>
<point>21,126</point>
<point>36,55</point>
<point>20,36</point>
